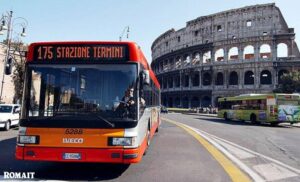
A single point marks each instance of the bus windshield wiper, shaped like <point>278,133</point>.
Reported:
<point>102,118</point>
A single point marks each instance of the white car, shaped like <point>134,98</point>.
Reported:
<point>9,115</point>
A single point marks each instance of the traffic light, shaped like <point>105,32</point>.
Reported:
<point>8,66</point>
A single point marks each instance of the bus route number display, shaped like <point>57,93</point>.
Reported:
<point>80,52</point>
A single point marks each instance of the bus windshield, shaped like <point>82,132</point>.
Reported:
<point>81,92</point>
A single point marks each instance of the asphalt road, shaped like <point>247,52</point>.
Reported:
<point>174,155</point>
<point>268,153</point>
<point>261,152</point>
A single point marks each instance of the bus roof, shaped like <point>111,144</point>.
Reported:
<point>135,53</point>
<point>255,96</point>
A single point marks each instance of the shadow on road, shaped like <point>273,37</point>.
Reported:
<point>56,171</point>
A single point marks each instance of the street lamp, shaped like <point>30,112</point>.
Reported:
<point>125,30</point>
<point>7,24</point>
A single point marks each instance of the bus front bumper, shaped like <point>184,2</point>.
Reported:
<point>121,155</point>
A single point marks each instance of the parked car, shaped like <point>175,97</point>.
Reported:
<point>9,115</point>
<point>163,109</point>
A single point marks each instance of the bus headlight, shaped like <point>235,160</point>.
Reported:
<point>23,139</point>
<point>122,141</point>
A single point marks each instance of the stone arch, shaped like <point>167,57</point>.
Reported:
<point>207,57</point>
<point>195,102</point>
<point>186,80</point>
<point>187,59</point>
<point>282,50</point>
<point>177,80</point>
<point>233,54</point>
<point>165,82</point>
<point>206,79</point>
<point>195,79</point>
<point>170,102</point>
<point>205,101</point>
<point>219,79</point>
<point>196,58</point>
<point>248,52</point>
<point>177,102</point>
<point>233,78</point>
<point>280,74</point>
<point>219,55</point>
<point>178,62</point>
<point>170,82</point>
<point>265,77</point>
<point>164,101</point>
<point>185,102</point>
<point>265,51</point>
<point>249,78</point>
<point>165,64</point>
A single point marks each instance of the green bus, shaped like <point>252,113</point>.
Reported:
<point>261,108</point>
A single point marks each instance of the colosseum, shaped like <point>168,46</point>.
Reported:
<point>239,51</point>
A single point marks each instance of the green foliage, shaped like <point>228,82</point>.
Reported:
<point>18,53</point>
<point>290,83</point>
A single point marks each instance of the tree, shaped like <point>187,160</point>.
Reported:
<point>17,52</point>
<point>290,83</point>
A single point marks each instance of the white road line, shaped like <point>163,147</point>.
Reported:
<point>273,172</point>
<point>254,153</point>
<point>241,154</point>
<point>245,168</point>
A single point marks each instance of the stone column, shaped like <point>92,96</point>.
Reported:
<point>225,54</point>
<point>274,51</point>
<point>240,52</point>
<point>256,52</point>
<point>200,79</point>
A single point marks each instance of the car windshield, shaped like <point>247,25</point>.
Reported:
<point>5,109</point>
<point>82,92</point>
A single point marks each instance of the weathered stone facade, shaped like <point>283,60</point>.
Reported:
<point>234,52</point>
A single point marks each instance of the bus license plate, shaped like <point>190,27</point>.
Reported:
<point>74,156</point>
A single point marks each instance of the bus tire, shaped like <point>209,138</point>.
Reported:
<point>273,124</point>
<point>225,116</point>
<point>148,139</point>
<point>7,126</point>
<point>253,119</point>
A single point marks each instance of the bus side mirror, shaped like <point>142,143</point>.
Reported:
<point>146,77</point>
<point>17,110</point>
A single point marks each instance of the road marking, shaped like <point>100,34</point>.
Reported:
<point>273,172</point>
<point>238,162</point>
<point>234,172</point>
<point>252,152</point>
<point>241,154</point>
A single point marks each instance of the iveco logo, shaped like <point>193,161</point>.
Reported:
<point>72,140</point>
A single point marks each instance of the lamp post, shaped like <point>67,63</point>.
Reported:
<point>126,29</point>
<point>7,24</point>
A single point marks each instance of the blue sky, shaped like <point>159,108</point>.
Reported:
<point>58,20</point>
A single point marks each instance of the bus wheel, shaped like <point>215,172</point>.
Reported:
<point>253,119</point>
<point>274,124</point>
<point>225,116</point>
<point>148,141</point>
<point>7,126</point>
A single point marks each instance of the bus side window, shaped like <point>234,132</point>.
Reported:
<point>262,105</point>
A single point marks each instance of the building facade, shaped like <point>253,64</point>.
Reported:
<point>8,91</point>
<point>238,51</point>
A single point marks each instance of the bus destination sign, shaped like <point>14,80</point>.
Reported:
<point>80,53</point>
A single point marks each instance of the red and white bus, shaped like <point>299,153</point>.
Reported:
<point>87,102</point>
